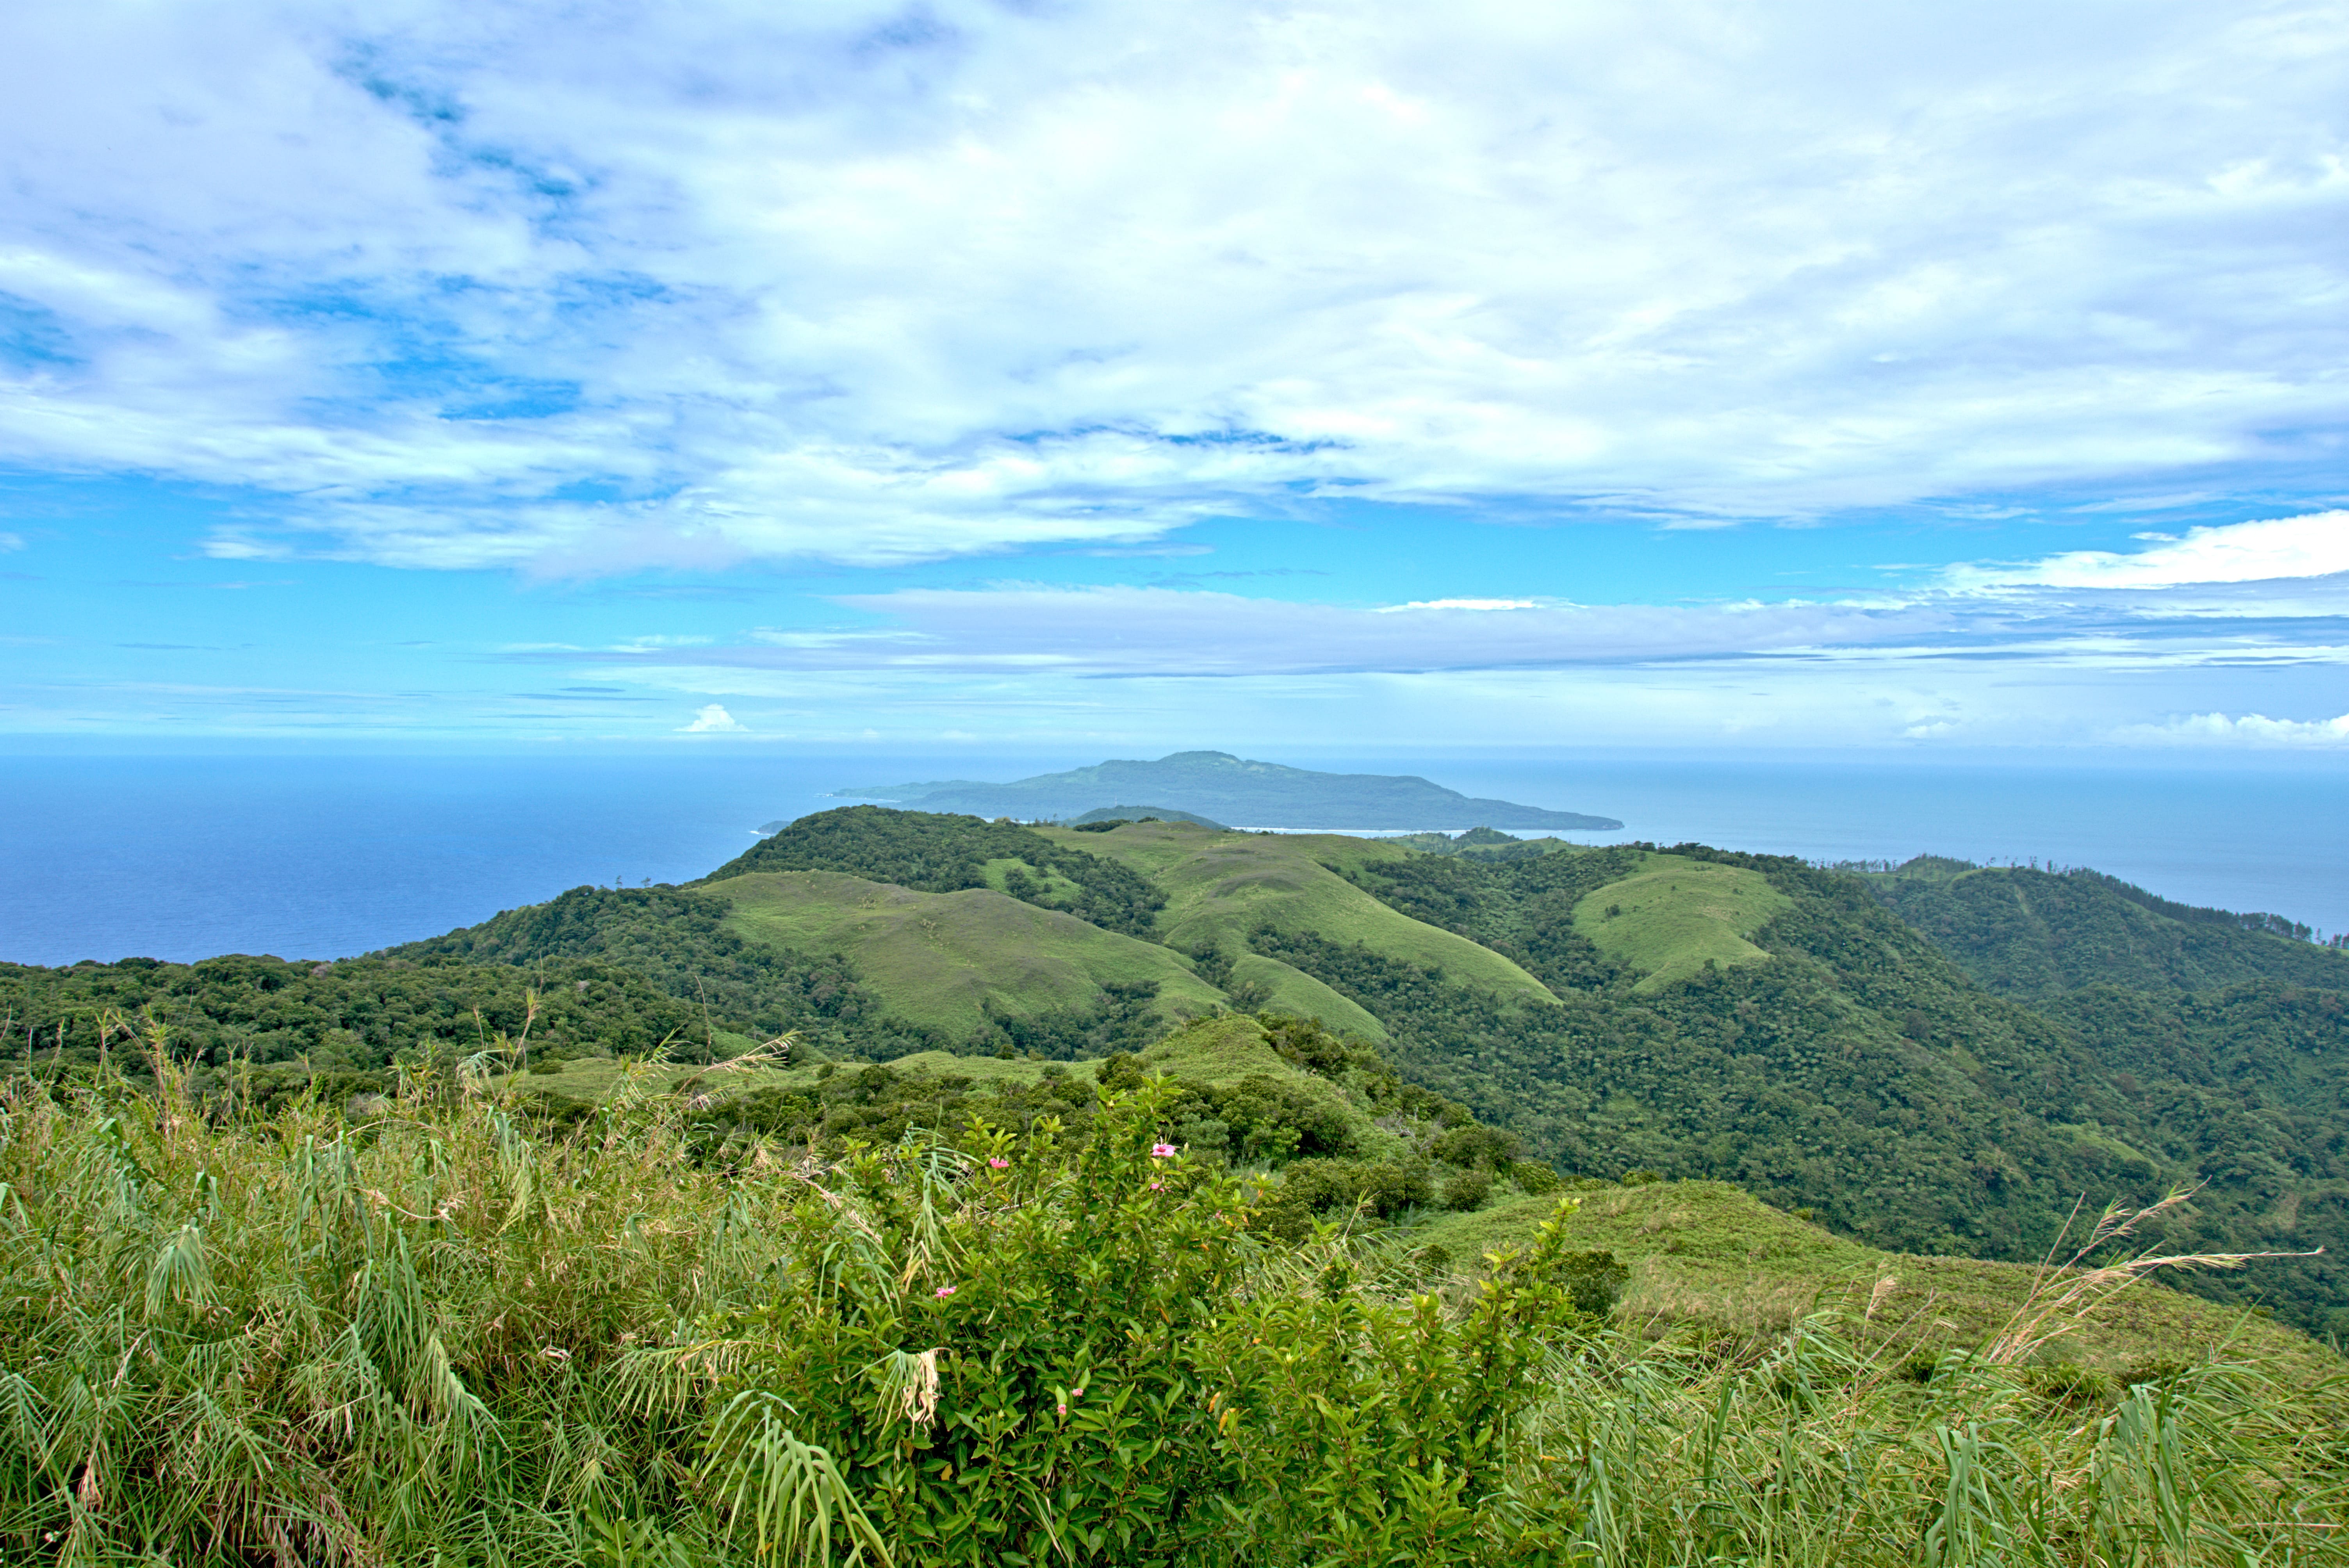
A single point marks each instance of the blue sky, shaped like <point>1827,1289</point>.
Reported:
<point>1088,375</point>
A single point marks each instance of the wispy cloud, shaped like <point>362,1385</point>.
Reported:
<point>2312,545</point>
<point>2252,730</point>
<point>580,291</point>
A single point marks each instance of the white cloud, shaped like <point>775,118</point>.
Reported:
<point>2313,545</point>
<point>585,291</point>
<point>1129,631</point>
<point>713,719</point>
<point>2251,729</point>
<point>11,542</point>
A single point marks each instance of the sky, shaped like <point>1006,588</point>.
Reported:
<point>1116,377</point>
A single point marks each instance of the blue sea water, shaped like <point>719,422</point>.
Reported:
<point>318,856</point>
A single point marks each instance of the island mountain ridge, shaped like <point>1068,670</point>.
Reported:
<point>1228,789</point>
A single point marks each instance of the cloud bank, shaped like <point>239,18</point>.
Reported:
<point>582,291</point>
<point>2314,545</point>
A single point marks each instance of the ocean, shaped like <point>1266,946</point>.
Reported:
<point>318,856</point>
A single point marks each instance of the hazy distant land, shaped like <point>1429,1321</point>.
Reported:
<point>1228,788</point>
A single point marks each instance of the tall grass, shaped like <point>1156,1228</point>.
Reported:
<point>439,1337</point>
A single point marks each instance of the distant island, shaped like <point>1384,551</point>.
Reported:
<point>1227,789</point>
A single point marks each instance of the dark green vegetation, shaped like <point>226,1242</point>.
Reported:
<point>1228,789</point>
<point>1859,1073</point>
<point>2034,934</point>
<point>263,1028</point>
<point>677,939</point>
<point>932,853</point>
<point>1278,1097</point>
<point>1477,844</point>
<point>437,1336</point>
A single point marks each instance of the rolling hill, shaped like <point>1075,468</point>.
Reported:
<point>2032,933</point>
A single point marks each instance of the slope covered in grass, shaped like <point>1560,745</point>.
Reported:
<point>933,852</point>
<point>1706,1254</point>
<point>955,962</point>
<point>1221,888</point>
<point>1674,917</point>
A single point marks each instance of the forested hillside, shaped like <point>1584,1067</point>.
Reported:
<point>2034,934</point>
<point>278,1024</point>
<point>676,938</point>
<point>1866,1076</point>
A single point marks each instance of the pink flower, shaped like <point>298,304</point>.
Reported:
<point>1063,1408</point>
<point>999,1164</point>
<point>1158,1186</point>
<point>1162,1151</point>
<point>944,1291</point>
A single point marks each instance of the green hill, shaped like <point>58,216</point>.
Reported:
<point>1705,1255</point>
<point>1222,888</point>
<point>2034,933</point>
<point>1862,1074</point>
<point>1674,917</point>
<point>930,852</point>
<point>954,963</point>
<point>679,939</point>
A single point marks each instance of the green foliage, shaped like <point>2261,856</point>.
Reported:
<point>931,852</point>
<point>2246,1085</point>
<point>2032,933</point>
<point>1326,1098</point>
<point>1747,1075</point>
<point>1123,1020</point>
<point>437,1341</point>
<point>266,1026</point>
<point>1479,844</point>
<point>1523,908</point>
<point>677,939</point>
